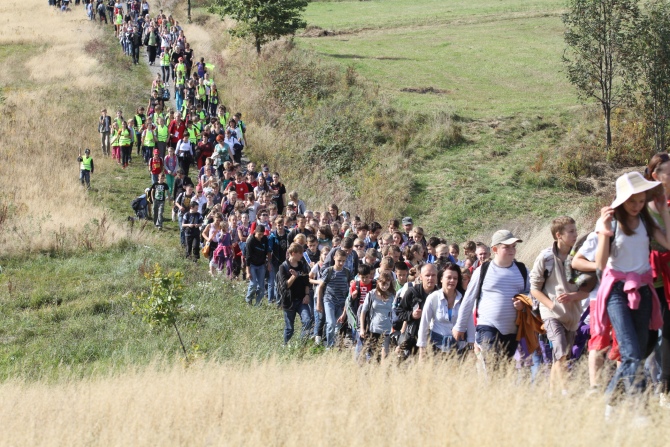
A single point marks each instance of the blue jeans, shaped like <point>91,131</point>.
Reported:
<point>632,332</point>
<point>488,338</point>
<point>182,236</point>
<point>85,177</point>
<point>333,312</point>
<point>319,322</point>
<point>443,343</point>
<point>271,283</point>
<point>256,283</point>
<point>305,318</point>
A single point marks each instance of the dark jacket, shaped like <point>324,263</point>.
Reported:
<point>413,296</point>
<point>301,283</point>
<point>278,246</point>
<point>136,39</point>
<point>256,251</point>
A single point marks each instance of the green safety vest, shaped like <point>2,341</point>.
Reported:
<point>202,116</point>
<point>166,59</point>
<point>224,119</point>
<point>124,138</point>
<point>162,133</point>
<point>201,91</point>
<point>149,138</point>
<point>213,97</point>
<point>158,115</point>
<point>119,19</point>
<point>192,134</point>
<point>119,122</point>
<point>86,163</point>
<point>139,121</point>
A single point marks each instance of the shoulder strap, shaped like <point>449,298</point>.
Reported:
<point>482,274</point>
<point>524,273</point>
<point>328,275</point>
<point>615,226</point>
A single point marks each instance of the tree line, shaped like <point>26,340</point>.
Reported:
<point>618,54</point>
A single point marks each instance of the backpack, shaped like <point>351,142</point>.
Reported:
<point>575,276</point>
<point>352,305</point>
<point>485,267</point>
<point>283,292</point>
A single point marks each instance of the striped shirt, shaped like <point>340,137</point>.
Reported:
<point>496,307</point>
<point>337,287</point>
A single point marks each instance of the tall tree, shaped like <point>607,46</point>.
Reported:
<point>599,34</point>
<point>263,20</point>
<point>652,63</point>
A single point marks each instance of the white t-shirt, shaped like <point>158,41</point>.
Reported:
<point>629,253</point>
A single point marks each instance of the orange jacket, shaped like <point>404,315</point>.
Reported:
<point>529,324</point>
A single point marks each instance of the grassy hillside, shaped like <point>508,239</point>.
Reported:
<point>497,67</point>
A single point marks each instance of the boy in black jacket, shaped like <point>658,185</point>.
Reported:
<point>256,256</point>
<point>295,288</point>
<point>191,224</point>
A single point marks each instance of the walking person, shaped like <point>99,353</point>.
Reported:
<point>627,297</point>
<point>85,168</point>
<point>293,280</point>
<point>104,128</point>
<point>659,170</point>
<point>257,258</point>
<point>159,193</point>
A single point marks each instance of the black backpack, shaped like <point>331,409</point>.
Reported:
<point>283,293</point>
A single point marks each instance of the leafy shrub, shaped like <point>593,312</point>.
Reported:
<point>162,305</point>
<point>340,145</point>
<point>294,83</point>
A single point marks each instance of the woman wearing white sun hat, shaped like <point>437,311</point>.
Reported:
<point>627,297</point>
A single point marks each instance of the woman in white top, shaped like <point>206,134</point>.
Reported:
<point>626,296</point>
<point>441,312</point>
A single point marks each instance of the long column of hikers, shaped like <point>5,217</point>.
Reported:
<point>392,290</point>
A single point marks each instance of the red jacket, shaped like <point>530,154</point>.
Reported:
<point>176,132</point>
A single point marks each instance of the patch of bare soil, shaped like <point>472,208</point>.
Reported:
<point>424,90</point>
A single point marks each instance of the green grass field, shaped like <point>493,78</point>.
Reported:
<point>497,66</point>
<point>486,59</point>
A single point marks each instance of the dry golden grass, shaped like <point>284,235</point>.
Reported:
<point>329,401</point>
<point>51,99</point>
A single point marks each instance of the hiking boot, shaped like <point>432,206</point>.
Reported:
<point>664,401</point>
<point>317,340</point>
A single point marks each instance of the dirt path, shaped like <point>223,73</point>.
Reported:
<point>156,69</point>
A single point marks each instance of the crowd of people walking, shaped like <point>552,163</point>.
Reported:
<point>391,290</point>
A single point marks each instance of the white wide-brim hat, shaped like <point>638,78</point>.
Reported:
<point>630,184</point>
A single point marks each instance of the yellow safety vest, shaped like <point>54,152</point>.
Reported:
<point>149,138</point>
<point>139,121</point>
<point>86,163</point>
<point>192,134</point>
<point>224,119</point>
<point>124,138</point>
<point>162,133</point>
